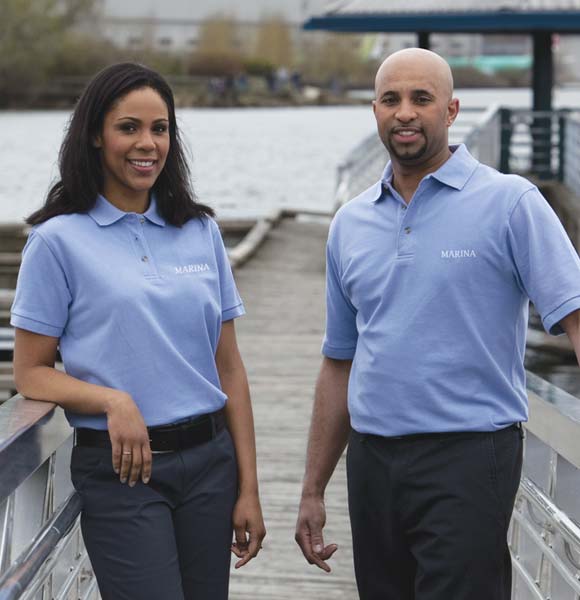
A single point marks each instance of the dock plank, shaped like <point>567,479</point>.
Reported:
<point>280,337</point>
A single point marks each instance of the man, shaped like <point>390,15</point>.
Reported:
<point>429,273</point>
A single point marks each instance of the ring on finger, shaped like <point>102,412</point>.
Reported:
<point>127,453</point>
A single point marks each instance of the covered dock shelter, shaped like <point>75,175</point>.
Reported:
<point>538,18</point>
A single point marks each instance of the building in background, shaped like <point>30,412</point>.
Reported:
<point>182,28</point>
<point>175,25</point>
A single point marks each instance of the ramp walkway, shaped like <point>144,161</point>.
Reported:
<point>280,337</point>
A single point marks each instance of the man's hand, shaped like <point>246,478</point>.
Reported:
<point>311,521</point>
<point>249,528</point>
<point>129,439</point>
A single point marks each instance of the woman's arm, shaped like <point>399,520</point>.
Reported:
<point>35,377</point>
<point>247,515</point>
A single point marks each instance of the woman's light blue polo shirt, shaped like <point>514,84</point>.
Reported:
<point>137,304</point>
<point>430,300</point>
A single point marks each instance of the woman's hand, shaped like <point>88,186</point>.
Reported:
<point>129,438</point>
<point>36,378</point>
<point>249,528</point>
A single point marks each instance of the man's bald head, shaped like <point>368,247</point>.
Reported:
<point>427,65</point>
<point>414,108</point>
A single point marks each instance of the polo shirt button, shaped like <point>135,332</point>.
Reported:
<point>404,207</point>
<point>144,258</point>
<point>142,220</point>
<point>407,230</point>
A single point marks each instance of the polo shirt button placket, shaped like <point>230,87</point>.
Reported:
<point>405,243</point>
<point>145,257</point>
<point>137,224</point>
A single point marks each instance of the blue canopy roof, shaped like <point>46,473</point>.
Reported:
<point>450,16</point>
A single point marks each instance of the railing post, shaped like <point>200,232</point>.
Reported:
<point>562,147</point>
<point>7,525</point>
<point>505,117</point>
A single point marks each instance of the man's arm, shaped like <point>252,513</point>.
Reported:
<point>328,436</point>
<point>571,325</point>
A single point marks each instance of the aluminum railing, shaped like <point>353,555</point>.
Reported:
<point>42,555</point>
<point>531,142</point>
<point>571,164</point>
<point>360,169</point>
<point>484,139</point>
<point>545,529</point>
<point>541,143</point>
<point>41,550</point>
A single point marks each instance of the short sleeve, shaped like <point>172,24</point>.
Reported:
<point>42,293</point>
<point>547,264</point>
<point>232,305</point>
<point>341,334</point>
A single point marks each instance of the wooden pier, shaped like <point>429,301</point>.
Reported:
<point>280,338</point>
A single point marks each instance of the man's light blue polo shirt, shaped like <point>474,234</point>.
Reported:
<point>431,299</point>
<point>137,304</point>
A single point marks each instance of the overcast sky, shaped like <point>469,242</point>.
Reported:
<point>247,10</point>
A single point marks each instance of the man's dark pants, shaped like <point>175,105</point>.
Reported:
<point>430,514</point>
<point>169,539</point>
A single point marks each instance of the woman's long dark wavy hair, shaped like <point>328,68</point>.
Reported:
<point>80,165</point>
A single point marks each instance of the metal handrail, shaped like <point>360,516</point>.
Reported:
<point>570,168</point>
<point>544,538</point>
<point>35,443</point>
<point>23,571</point>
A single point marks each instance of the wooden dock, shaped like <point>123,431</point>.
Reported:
<point>280,338</point>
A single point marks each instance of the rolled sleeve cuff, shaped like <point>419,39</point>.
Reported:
<point>552,320</point>
<point>338,353</point>
<point>232,313</point>
<point>35,326</point>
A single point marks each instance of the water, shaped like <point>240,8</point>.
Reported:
<point>245,162</point>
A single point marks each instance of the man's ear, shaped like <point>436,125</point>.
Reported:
<point>452,111</point>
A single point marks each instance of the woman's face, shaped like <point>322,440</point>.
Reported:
<point>133,143</point>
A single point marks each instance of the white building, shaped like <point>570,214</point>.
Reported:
<point>174,24</point>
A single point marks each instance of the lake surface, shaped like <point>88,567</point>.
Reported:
<point>245,162</point>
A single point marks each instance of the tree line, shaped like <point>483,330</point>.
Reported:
<point>46,43</point>
<point>49,48</point>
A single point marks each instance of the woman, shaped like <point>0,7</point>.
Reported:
<point>127,275</point>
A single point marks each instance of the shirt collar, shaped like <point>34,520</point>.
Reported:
<point>454,172</point>
<point>152,214</point>
<point>104,213</point>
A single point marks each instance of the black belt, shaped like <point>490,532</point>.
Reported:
<point>409,437</point>
<point>164,438</point>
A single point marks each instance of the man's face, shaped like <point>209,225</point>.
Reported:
<point>414,110</point>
